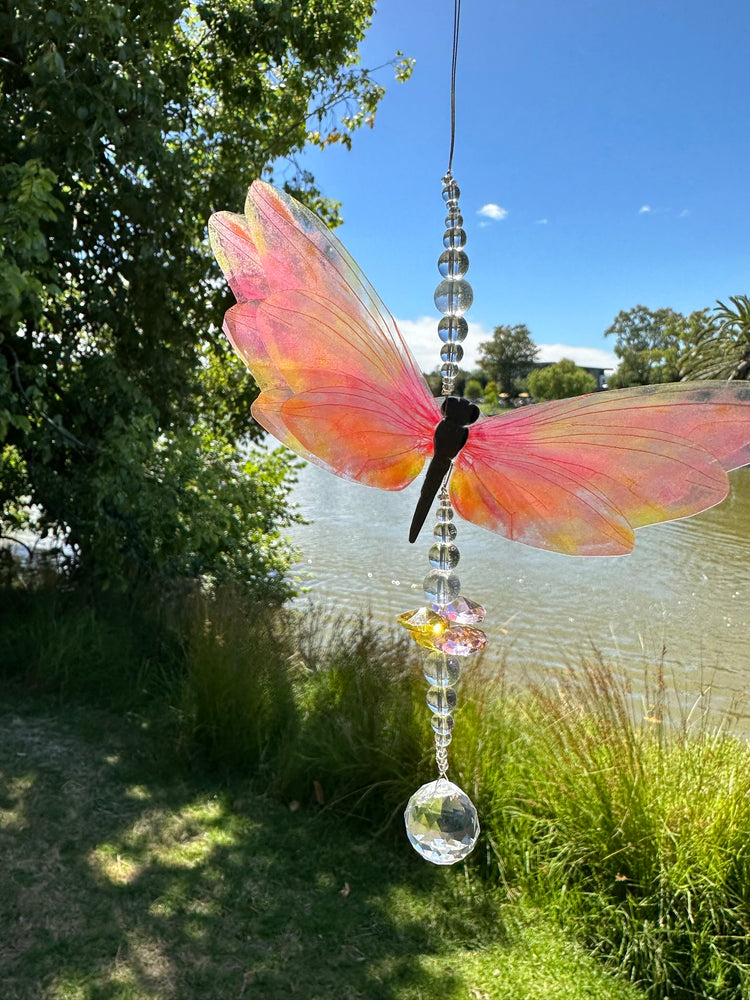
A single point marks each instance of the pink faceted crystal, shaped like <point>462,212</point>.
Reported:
<point>460,640</point>
<point>462,611</point>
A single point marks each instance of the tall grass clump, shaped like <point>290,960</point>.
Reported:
<point>364,726</point>
<point>114,649</point>
<point>635,828</point>
<point>318,707</point>
<point>238,702</point>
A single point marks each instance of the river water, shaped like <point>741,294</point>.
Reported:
<point>683,595</point>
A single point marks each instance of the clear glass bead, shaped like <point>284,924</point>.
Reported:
<point>453,329</point>
<point>449,371</point>
<point>453,263</point>
<point>444,512</point>
<point>441,670</point>
<point>442,724</point>
<point>443,740</point>
<point>454,219</point>
<point>441,822</point>
<point>441,700</point>
<point>454,238</point>
<point>443,556</point>
<point>444,532</point>
<point>451,352</point>
<point>451,190</point>
<point>453,297</point>
<point>441,587</point>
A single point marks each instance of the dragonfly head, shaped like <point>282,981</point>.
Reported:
<point>458,410</point>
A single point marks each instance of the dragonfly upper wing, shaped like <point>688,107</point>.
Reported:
<point>577,476</point>
<point>338,384</point>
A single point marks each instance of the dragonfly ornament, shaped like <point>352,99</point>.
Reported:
<point>340,387</point>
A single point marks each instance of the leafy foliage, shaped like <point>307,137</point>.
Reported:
<point>651,344</point>
<point>508,357</point>
<point>124,127</point>
<point>722,348</point>
<point>560,380</point>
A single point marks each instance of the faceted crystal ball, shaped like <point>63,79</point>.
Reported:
<point>441,822</point>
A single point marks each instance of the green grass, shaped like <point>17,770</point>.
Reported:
<point>123,879</point>
<point>625,826</point>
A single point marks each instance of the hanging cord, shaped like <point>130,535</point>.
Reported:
<point>454,61</point>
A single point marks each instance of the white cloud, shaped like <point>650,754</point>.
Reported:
<point>684,213</point>
<point>541,222</point>
<point>592,357</point>
<point>494,212</point>
<point>422,337</point>
<point>643,209</point>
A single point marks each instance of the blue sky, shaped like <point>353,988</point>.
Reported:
<point>613,134</point>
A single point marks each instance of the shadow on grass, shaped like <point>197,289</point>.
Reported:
<point>120,882</point>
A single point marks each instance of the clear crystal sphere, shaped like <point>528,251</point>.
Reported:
<point>452,329</point>
<point>453,263</point>
<point>441,670</point>
<point>444,532</point>
<point>451,190</point>
<point>441,700</point>
<point>441,822</point>
<point>451,352</point>
<point>441,587</point>
<point>444,556</point>
<point>455,238</point>
<point>453,296</point>
<point>442,724</point>
<point>444,512</point>
<point>454,219</point>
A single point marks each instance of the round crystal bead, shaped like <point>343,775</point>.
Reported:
<point>453,296</point>
<point>452,329</point>
<point>442,724</point>
<point>455,238</point>
<point>453,263</point>
<point>451,190</point>
<point>441,700</point>
<point>441,670</point>
<point>441,587</point>
<point>454,219</point>
<point>444,556</point>
<point>444,512</point>
<point>451,352</point>
<point>441,822</point>
<point>444,532</point>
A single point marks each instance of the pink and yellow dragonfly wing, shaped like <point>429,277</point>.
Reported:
<point>338,384</point>
<point>579,475</point>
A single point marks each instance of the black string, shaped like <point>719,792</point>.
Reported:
<point>454,60</point>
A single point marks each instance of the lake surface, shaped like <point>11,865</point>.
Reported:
<point>684,591</point>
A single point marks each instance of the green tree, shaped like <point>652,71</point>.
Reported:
<point>122,408</point>
<point>508,357</point>
<point>721,348</point>
<point>473,389</point>
<point>560,380</point>
<point>651,344</point>
<point>491,395</point>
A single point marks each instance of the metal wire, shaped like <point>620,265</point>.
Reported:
<point>454,61</point>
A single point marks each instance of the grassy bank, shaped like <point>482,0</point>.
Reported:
<point>123,879</point>
<point>629,831</point>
